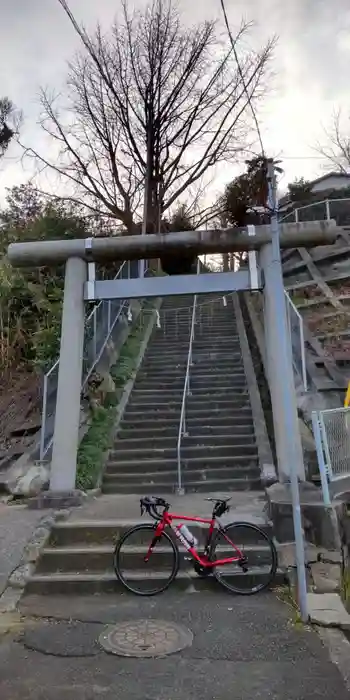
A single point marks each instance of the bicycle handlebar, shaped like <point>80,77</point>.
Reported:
<point>150,504</point>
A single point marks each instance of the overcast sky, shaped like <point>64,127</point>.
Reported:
<point>312,65</point>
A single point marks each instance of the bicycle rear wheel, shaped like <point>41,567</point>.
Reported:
<point>255,570</point>
<point>137,575</point>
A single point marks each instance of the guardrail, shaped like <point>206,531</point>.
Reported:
<point>296,333</point>
<point>99,326</point>
<point>186,392</point>
<point>323,209</point>
<point>331,428</point>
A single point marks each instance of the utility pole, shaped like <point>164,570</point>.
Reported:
<point>146,196</point>
<point>226,256</point>
<point>149,170</point>
<point>288,442</point>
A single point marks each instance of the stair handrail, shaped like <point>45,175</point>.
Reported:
<point>45,444</point>
<point>300,365</point>
<point>186,392</point>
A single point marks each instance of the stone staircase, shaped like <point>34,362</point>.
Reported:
<point>78,559</point>
<point>219,454</point>
<point>219,451</point>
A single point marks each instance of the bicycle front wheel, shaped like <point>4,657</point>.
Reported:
<point>134,572</point>
<point>255,569</point>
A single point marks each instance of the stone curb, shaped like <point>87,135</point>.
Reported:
<point>327,610</point>
<point>19,576</point>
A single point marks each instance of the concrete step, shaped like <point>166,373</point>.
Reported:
<point>210,325</point>
<point>243,416</point>
<point>213,400</point>
<point>154,465</point>
<point>181,330</point>
<point>200,406</point>
<point>99,558</point>
<point>216,341</point>
<point>151,372</point>
<point>106,582</point>
<point>218,403</point>
<point>195,461</point>
<point>236,411</point>
<point>231,345</point>
<point>212,335</point>
<point>177,374</point>
<point>116,456</point>
<point>196,379</point>
<point>208,486</point>
<point>160,360</point>
<point>233,352</point>
<point>155,395</point>
<point>82,533</point>
<point>208,352</point>
<point>197,376</point>
<point>158,432</point>
<point>199,345</point>
<point>178,347</point>
<point>174,356</point>
<point>159,440</point>
<point>139,478</point>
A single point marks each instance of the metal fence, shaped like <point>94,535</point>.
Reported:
<point>296,333</point>
<point>338,209</point>
<point>331,429</point>
<point>99,325</point>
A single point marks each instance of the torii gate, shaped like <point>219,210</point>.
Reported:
<point>263,244</point>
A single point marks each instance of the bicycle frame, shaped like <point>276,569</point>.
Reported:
<point>167,521</point>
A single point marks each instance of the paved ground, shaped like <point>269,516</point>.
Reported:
<point>243,648</point>
<point>17,525</point>
<point>247,505</point>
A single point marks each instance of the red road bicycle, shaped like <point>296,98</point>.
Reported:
<point>231,552</point>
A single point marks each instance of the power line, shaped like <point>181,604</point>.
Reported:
<point>242,77</point>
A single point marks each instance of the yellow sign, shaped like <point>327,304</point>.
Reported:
<point>347,397</point>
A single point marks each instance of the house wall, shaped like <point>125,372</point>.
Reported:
<point>334,182</point>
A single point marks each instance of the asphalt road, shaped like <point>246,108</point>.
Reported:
<point>243,648</point>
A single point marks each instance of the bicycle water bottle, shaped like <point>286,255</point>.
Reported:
<point>191,539</point>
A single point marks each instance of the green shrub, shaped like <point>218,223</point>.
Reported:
<point>99,437</point>
<point>94,444</point>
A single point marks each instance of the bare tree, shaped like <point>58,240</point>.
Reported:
<point>152,102</point>
<point>336,148</point>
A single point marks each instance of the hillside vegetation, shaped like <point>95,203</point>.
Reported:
<point>31,299</point>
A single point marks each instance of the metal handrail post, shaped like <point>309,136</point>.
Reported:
<point>320,457</point>
<point>328,460</point>
<point>109,315</point>
<point>180,488</point>
<point>43,421</point>
<point>303,358</point>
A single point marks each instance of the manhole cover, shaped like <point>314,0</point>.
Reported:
<point>70,639</point>
<point>145,638</point>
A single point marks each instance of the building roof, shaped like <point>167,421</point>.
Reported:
<point>327,175</point>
